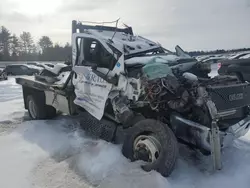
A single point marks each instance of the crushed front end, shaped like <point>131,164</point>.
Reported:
<point>207,113</point>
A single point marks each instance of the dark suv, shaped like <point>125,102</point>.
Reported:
<point>21,70</point>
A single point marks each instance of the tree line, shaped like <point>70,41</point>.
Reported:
<point>23,48</point>
<point>197,53</point>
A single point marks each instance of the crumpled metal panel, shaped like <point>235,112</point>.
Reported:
<point>154,69</point>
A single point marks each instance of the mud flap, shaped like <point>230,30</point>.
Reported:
<point>215,146</point>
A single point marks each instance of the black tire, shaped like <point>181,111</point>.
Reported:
<point>36,107</point>
<point>4,75</point>
<point>51,112</point>
<point>166,161</point>
<point>240,76</point>
<point>39,110</point>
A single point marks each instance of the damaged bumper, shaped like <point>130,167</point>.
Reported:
<point>237,130</point>
<point>199,135</point>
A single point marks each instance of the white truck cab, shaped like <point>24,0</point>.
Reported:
<point>98,58</point>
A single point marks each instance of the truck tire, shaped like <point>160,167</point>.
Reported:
<point>51,112</point>
<point>38,109</point>
<point>153,142</point>
<point>5,77</point>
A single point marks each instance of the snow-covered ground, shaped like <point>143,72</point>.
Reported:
<point>56,153</point>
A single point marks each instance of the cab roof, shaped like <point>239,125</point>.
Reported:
<point>118,37</point>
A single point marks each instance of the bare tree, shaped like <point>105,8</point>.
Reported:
<point>27,43</point>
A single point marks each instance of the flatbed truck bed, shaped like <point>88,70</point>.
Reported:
<point>58,96</point>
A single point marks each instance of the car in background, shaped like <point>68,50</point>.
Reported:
<point>42,65</point>
<point>49,65</point>
<point>247,56</point>
<point>35,64</point>
<point>3,74</point>
<point>238,67</point>
<point>212,60</point>
<point>22,69</point>
<point>239,55</point>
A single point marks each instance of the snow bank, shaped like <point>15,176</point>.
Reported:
<point>58,149</point>
<point>96,162</point>
<point>11,105</point>
<point>17,159</point>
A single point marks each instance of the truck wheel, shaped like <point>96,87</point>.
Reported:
<point>154,143</point>
<point>5,77</point>
<point>51,112</point>
<point>36,107</point>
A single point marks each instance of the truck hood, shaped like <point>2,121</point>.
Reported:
<point>165,58</point>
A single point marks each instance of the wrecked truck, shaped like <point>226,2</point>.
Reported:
<point>129,90</point>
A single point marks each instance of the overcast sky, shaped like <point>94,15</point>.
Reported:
<point>193,24</point>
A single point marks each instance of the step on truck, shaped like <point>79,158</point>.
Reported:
<point>132,91</point>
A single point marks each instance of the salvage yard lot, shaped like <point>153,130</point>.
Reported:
<point>57,153</point>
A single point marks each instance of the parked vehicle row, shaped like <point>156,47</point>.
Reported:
<point>215,58</point>
<point>22,69</point>
<point>30,68</point>
<point>42,65</point>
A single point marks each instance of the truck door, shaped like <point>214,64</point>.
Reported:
<point>92,56</point>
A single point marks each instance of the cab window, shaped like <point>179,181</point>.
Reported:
<point>92,51</point>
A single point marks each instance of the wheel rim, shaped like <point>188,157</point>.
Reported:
<point>32,109</point>
<point>147,148</point>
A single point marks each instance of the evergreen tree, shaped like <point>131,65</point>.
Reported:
<point>5,41</point>
<point>15,47</point>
